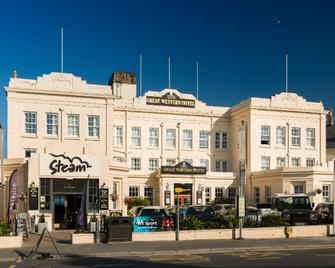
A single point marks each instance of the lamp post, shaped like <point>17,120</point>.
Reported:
<point>333,198</point>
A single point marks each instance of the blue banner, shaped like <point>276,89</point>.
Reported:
<point>12,194</point>
<point>152,224</point>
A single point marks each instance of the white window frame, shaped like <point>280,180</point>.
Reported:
<point>170,138</point>
<point>221,140</point>
<point>298,188</point>
<point>93,126</point>
<point>118,136</point>
<point>296,161</point>
<point>51,124</point>
<point>265,162</point>
<point>203,139</point>
<point>310,137</point>
<point>267,194</point>
<point>135,163</point>
<point>310,162</point>
<point>219,192</point>
<point>170,162</point>
<point>187,139</point>
<point>208,195</point>
<point>257,195</point>
<point>204,163</point>
<point>134,191</point>
<point>73,125</point>
<point>295,136</point>
<point>221,165</point>
<point>265,135</point>
<point>281,136</point>
<point>153,137</point>
<point>30,123</point>
<point>136,136</point>
<point>281,161</point>
<point>188,160</point>
<point>326,192</point>
<point>153,164</point>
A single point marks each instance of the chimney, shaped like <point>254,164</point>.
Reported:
<point>330,118</point>
<point>14,74</point>
<point>123,85</point>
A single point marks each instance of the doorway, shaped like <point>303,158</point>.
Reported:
<point>66,210</point>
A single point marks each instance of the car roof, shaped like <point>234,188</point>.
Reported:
<point>153,207</point>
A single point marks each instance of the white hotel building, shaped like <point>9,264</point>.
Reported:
<point>63,131</point>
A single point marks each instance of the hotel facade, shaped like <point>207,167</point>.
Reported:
<point>63,132</point>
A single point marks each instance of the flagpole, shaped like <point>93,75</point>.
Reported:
<point>62,51</point>
<point>197,80</point>
<point>286,73</point>
<point>169,73</point>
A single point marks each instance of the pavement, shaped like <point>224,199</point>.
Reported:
<point>115,249</point>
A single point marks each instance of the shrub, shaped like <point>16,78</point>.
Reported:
<point>4,229</point>
<point>249,223</point>
<point>222,200</point>
<point>135,202</point>
<point>272,220</point>
<point>191,223</point>
<point>217,222</point>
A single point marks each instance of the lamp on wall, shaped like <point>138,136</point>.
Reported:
<point>103,185</point>
<point>2,185</point>
<point>32,184</point>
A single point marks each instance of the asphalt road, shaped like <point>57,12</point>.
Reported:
<point>266,258</point>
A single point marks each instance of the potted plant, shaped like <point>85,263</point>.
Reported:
<point>41,224</point>
<point>82,236</point>
<point>6,239</point>
<point>93,223</point>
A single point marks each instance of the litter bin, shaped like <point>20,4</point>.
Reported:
<point>119,229</point>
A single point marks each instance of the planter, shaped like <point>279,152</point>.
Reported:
<point>93,226</point>
<point>11,241</point>
<point>41,226</point>
<point>82,238</point>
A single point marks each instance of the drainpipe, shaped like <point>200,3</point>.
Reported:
<point>178,134</point>
<point>61,124</point>
<point>288,144</point>
<point>106,127</point>
<point>162,143</point>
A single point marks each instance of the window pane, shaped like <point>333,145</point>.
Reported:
<point>265,135</point>
<point>280,135</point>
<point>153,137</point>
<point>73,125</point>
<point>203,139</point>
<point>171,138</point>
<point>136,136</point>
<point>30,123</point>
<point>187,138</point>
<point>93,126</point>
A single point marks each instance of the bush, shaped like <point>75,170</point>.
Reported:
<point>4,229</point>
<point>191,223</point>
<point>249,223</point>
<point>222,200</point>
<point>272,220</point>
<point>217,222</point>
<point>136,202</point>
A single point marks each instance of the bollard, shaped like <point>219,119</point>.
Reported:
<point>97,232</point>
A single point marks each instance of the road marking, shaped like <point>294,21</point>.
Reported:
<point>259,255</point>
<point>178,258</point>
<point>113,265</point>
<point>325,255</point>
<point>12,266</point>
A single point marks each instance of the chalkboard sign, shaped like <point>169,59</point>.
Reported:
<point>103,199</point>
<point>22,224</point>
<point>33,198</point>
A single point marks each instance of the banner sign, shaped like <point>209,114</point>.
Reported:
<point>68,165</point>
<point>183,168</point>
<point>33,198</point>
<point>103,198</point>
<point>152,224</point>
<point>12,194</point>
<point>170,99</point>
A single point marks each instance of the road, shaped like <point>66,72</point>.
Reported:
<point>230,258</point>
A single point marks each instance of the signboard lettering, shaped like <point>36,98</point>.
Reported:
<point>67,164</point>
<point>33,198</point>
<point>170,99</point>
<point>103,199</point>
<point>183,168</point>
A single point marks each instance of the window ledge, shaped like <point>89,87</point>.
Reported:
<point>310,148</point>
<point>295,147</point>
<point>71,138</point>
<point>264,146</point>
<point>34,136</point>
<point>50,137</point>
<point>203,149</point>
<point>135,147</point>
<point>153,148</point>
<point>186,149</point>
<point>92,139</point>
<point>280,147</point>
<point>170,149</point>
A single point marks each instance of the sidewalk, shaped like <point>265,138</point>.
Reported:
<point>164,247</point>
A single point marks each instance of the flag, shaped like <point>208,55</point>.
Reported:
<point>82,214</point>
<point>12,193</point>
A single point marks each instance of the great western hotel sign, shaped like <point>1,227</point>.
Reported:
<point>61,165</point>
<point>170,99</point>
<point>183,168</point>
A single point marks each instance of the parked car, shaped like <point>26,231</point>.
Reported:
<point>324,212</point>
<point>153,211</point>
<point>222,209</point>
<point>253,213</point>
<point>264,209</point>
<point>203,213</point>
<point>295,209</point>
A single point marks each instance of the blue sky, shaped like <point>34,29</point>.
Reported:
<point>240,45</point>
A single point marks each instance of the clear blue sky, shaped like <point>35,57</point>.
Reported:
<point>240,45</point>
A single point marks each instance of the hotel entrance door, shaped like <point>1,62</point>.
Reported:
<point>66,209</point>
<point>185,197</point>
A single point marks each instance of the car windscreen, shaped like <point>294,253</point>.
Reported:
<point>293,202</point>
